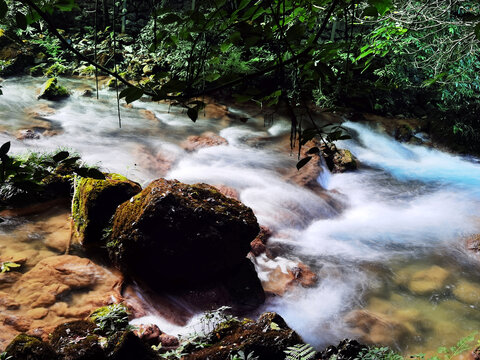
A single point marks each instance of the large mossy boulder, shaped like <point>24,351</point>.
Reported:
<point>94,202</point>
<point>266,338</point>
<point>52,91</point>
<point>177,235</point>
<point>26,347</point>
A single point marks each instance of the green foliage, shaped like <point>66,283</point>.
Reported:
<point>110,319</point>
<point>242,356</point>
<point>379,353</point>
<point>211,319</point>
<point>28,176</point>
<point>56,69</point>
<point>300,352</point>
<point>8,266</point>
<point>4,355</point>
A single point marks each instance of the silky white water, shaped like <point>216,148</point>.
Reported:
<point>407,209</point>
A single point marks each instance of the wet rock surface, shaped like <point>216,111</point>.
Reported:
<point>267,338</point>
<point>51,90</point>
<point>57,289</point>
<point>94,202</point>
<point>174,234</point>
<point>207,139</point>
<point>26,347</point>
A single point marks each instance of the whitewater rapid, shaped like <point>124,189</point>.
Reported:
<point>407,204</point>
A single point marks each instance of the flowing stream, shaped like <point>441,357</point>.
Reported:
<point>392,265</point>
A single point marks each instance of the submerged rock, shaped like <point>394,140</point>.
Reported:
<point>207,139</point>
<point>423,281</point>
<point>57,289</point>
<point>267,338</point>
<point>94,202</point>
<point>178,235</point>
<point>52,91</point>
<point>467,292</point>
<point>26,347</point>
<point>377,328</point>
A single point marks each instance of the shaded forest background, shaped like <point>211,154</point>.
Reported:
<point>403,58</point>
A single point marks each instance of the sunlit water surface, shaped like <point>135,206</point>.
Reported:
<point>392,266</point>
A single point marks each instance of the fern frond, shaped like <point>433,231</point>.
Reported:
<point>300,352</point>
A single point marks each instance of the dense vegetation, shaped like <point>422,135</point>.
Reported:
<point>404,57</point>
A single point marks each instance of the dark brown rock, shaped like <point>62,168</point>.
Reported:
<point>149,334</point>
<point>77,340</point>
<point>258,245</point>
<point>174,234</point>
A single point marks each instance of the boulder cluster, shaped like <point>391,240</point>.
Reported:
<point>170,235</point>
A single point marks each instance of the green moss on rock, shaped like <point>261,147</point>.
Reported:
<point>94,202</point>
<point>26,347</point>
<point>175,234</point>
<point>52,91</point>
<point>267,338</point>
<point>76,340</point>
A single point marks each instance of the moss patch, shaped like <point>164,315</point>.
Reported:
<point>52,91</point>
<point>26,347</point>
<point>95,201</point>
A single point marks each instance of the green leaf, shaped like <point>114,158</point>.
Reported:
<point>21,20</point>
<point>212,77</point>
<point>477,31</point>
<point>5,148</point>
<point>192,113</point>
<point>236,38</point>
<point>65,5</point>
<point>3,9</point>
<point>370,11</point>
<point>313,150</point>
<point>382,6</point>
<point>32,17</point>
<point>131,94</point>
<point>243,4</point>
<point>70,161</point>
<point>274,326</point>
<point>226,46</point>
<point>170,19</point>
<point>242,98</point>
<point>95,174</point>
<point>62,155</point>
<point>303,162</point>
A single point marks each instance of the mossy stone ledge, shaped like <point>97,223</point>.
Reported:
<point>52,91</point>
<point>94,202</point>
